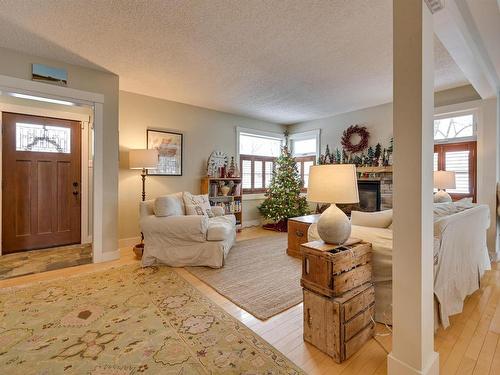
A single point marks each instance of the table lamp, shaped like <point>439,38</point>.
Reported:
<point>443,180</point>
<point>333,183</point>
<point>143,159</point>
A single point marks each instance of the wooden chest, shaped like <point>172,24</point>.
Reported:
<point>297,233</point>
<point>340,326</point>
<point>331,272</point>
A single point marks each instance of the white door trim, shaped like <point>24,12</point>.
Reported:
<point>84,190</point>
<point>96,101</point>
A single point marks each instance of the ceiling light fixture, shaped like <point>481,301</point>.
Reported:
<point>41,99</point>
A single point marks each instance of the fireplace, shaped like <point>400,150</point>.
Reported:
<point>369,195</point>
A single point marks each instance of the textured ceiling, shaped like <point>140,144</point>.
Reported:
<point>282,61</point>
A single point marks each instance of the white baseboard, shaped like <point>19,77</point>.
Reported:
<point>252,223</point>
<point>108,256</point>
<point>128,242</point>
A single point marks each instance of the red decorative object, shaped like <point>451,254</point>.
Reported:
<point>349,132</point>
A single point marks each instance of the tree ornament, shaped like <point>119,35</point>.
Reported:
<point>349,133</point>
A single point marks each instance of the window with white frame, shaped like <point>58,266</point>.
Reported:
<point>455,150</point>
<point>257,153</point>
<point>450,128</point>
<point>305,149</point>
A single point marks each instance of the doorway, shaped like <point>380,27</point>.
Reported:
<point>41,199</point>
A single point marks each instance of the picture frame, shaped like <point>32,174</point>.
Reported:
<point>49,74</point>
<point>170,147</point>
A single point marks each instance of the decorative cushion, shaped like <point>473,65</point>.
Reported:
<point>444,209</point>
<point>197,204</point>
<point>169,205</point>
<point>379,219</point>
<point>218,211</point>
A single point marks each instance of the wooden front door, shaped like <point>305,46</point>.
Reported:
<point>41,171</point>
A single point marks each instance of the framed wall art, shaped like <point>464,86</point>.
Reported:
<point>169,145</point>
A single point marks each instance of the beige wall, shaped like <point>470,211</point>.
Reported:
<point>204,131</point>
<point>378,121</point>
<point>18,65</point>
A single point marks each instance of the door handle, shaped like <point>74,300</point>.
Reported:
<point>75,188</point>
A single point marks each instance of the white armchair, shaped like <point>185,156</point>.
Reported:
<point>186,240</point>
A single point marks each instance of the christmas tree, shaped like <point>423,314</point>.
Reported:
<point>283,198</point>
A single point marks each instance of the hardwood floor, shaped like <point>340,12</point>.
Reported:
<point>470,346</point>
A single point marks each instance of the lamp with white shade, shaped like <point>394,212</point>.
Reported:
<point>333,183</point>
<point>443,180</point>
<point>143,159</point>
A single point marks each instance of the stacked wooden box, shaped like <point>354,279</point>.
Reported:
<point>339,297</point>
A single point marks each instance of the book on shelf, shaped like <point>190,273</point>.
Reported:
<point>232,207</point>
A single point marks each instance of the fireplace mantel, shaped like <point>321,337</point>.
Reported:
<point>387,169</point>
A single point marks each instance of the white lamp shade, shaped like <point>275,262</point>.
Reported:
<point>444,180</point>
<point>333,183</point>
<point>143,159</point>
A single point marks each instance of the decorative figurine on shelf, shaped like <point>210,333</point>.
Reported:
<point>232,168</point>
<point>216,160</point>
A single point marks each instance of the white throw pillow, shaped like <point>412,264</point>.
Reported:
<point>379,219</point>
<point>197,204</point>
<point>169,205</point>
<point>463,204</point>
<point>444,209</point>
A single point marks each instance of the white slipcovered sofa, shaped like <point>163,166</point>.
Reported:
<point>180,240</point>
<point>460,255</point>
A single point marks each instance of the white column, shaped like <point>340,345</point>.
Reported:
<point>413,320</point>
<point>497,253</point>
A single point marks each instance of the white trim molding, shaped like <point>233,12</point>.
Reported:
<point>316,134</point>
<point>256,132</point>
<point>96,101</point>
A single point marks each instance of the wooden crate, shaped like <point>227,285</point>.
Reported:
<point>340,326</point>
<point>297,233</point>
<point>332,273</point>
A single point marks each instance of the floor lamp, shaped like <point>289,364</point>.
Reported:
<point>142,159</point>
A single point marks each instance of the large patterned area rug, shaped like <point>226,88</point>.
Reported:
<point>258,276</point>
<point>127,320</point>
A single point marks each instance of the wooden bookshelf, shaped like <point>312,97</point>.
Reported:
<point>232,202</point>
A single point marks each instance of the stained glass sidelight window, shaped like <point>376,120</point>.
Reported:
<point>43,138</point>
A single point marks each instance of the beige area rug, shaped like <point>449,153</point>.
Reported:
<point>126,321</point>
<point>258,276</point>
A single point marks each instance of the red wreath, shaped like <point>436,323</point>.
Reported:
<point>349,132</point>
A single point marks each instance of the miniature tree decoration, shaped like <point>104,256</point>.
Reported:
<point>378,151</point>
<point>370,156</point>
